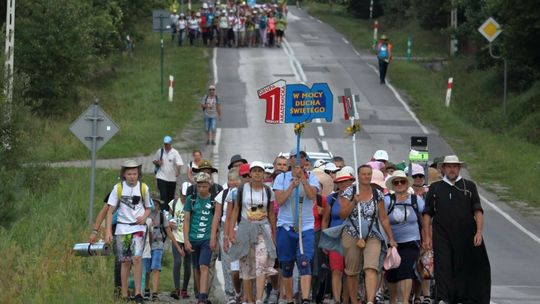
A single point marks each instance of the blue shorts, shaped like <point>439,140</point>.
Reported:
<point>201,253</point>
<point>288,248</point>
<point>155,261</point>
<point>146,263</point>
<point>210,124</point>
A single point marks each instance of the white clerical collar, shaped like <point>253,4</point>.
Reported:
<point>449,182</point>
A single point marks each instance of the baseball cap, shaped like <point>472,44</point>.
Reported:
<point>244,169</point>
<point>167,140</point>
<point>331,167</point>
<point>320,163</point>
<point>380,155</point>
<point>417,169</point>
<point>256,164</point>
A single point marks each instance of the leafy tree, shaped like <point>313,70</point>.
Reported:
<point>432,14</point>
<point>360,8</point>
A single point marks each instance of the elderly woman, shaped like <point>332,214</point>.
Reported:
<point>253,242</point>
<point>403,211</point>
<point>363,238</point>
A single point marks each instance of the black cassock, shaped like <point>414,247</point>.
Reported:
<point>462,271</point>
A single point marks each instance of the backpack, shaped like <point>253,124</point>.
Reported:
<point>414,204</point>
<point>240,195</point>
<point>119,194</point>
<point>330,202</point>
<point>206,99</point>
<point>383,51</point>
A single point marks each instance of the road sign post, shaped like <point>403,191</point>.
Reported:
<point>409,48</point>
<point>158,26</point>
<point>350,112</point>
<point>93,128</point>
<point>490,29</point>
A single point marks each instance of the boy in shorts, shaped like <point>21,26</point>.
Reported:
<point>198,215</point>
<point>159,233</point>
<point>132,199</point>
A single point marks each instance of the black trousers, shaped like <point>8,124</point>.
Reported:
<point>383,67</point>
<point>166,192</point>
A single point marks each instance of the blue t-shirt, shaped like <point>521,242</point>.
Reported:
<point>333,201</point>
<point>285,216</point>
<point>403,219</point>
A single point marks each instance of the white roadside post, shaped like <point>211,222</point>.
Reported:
<point>171,87</point>
<point>375,33</point>
<point>449,91</point>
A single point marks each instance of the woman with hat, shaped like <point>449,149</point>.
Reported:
<point>253,242</point>
<point>344,179</point>
<point>403,211</point>
<point>363,238</point>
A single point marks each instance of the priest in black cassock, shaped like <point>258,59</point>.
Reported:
<point>462,270</point>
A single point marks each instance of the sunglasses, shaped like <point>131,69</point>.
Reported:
<point>245,175</point>
<point>400,181</point>
<point>418,176</point>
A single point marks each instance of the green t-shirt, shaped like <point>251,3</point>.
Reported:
<point>281,22</point>
<point>201,215</point>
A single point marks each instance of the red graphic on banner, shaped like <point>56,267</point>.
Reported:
<point>274,95</point>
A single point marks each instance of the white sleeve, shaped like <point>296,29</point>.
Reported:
<point>147,197</point>
<point>113,197</point>
<point>219,198</point>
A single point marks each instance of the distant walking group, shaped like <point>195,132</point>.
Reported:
<point>231,25</point>
<point>300,230</point>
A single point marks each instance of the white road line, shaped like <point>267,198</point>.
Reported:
<point>324,145</point>
<point>311,17</point>
<point>319,21</point>
<point>345,40</point>
<point>317,120</point>
<point>321,131</point>
<point>214,66</point>
<point>295,64</point>
<point>405,105</point>
<point>218,138</point>
<point>356,52</point>
<point>533,236</point>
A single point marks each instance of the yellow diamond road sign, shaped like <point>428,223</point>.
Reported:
<point>490,29</point>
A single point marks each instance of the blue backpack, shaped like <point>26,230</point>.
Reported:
<point>383,51</point>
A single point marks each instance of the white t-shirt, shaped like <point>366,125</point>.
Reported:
<point>182,23</point>
<point>128,211</point>
<point>171,159</point>
<point>193,24</point>
<point>231,195</point>
<point>254,198</point>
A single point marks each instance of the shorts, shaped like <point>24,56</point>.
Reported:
<point>201,253</point>
<point>129,246</point>
<point>355,256</point>
<point>337,262</point>
<point>409,253</point>
<point>155,261</point>
<point>288,248</point>
<point>280,33</point>
<point>257,263</point>
<point>210,124</point>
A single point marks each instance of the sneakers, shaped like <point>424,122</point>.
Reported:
<point>207,142</point>
<point>273,298</point>
<point>213,142</point>
<point>175,294</point>
<point>155,297</point>
<point>147,294</point>
<point>139,299</point>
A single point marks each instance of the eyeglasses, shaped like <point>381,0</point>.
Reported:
<point>400,181</point>
<point>418,176</point>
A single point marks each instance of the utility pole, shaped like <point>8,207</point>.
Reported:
<point>453,25</point>
<point>8,71</point>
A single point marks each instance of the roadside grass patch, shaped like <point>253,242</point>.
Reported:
<point>131,96</point>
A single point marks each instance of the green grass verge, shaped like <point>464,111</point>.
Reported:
<point>497,160</point>
<point>131,97</point>
<point>37,264</point>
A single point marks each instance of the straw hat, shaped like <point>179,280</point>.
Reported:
<point>398,174</point>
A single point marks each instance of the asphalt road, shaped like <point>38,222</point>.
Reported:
<point>315,52</point>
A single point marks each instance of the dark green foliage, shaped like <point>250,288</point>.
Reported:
<point>360,8</point>
<point>432,14</point>
<point>59,43</point>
